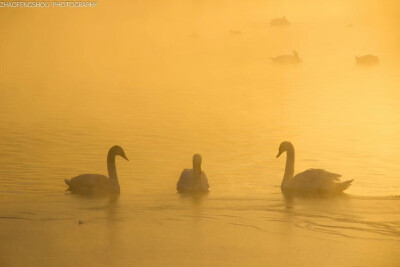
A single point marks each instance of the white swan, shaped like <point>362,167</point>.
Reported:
<point>285,59</point>
<point>367,60</point>
<point>87,184</point>
<point>279,22</point>
<point>312,181</point>
<point>193,180</point>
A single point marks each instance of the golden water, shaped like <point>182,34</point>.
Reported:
<point>168,80</point>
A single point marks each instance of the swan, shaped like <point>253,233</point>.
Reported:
<point>293,59</point>
<point>236,32</point>
<point>193,180</point>
<point>86,184</point>
<point>312,181</point>
<point>279,21</point>
<point>367,60</point>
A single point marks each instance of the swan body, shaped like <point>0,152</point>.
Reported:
<point>288,59</point>
<point>279,22</point>
<point>312,181</point>
<point>367,60</point>
<point>236,32</point>
<point>193,180</point>
<point>88,184</point>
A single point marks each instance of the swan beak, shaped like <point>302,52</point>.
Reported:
<point>280,152</point>
<point>125,157</point>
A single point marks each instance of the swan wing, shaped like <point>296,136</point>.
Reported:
<point>319,174</point>
<point>87,183</point>
<point>315,180</point>
<point>188,182</point>
<point>204,182</point>
<point>185,181</point>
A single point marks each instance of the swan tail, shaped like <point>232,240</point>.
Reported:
<point>68,182</point>
<point>343,186</point>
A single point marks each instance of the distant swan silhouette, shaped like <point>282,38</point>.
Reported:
<point>292,59</point>
<point>237,32</point>
<point>87,184</point>
<point>279,22</point>
<point>193,180</point>
<point>367,60</point>
<point>312,181</point>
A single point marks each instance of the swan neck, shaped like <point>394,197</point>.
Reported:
<point>112,170</point>
<point>289,168</point>
<point>197,170</point>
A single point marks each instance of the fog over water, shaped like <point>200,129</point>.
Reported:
<point>167,80</point>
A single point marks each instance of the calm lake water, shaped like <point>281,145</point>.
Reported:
<point>165,81</point>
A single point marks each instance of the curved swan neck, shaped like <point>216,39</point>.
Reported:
<point>289,168</point>
<point>112,170</point>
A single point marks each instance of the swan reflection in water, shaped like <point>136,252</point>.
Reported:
<point>97,184</point>
<point>312,182</point>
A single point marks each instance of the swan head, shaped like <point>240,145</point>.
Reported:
<point>118,151</point>
<point>284,146</point>
<point>197,162</point>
